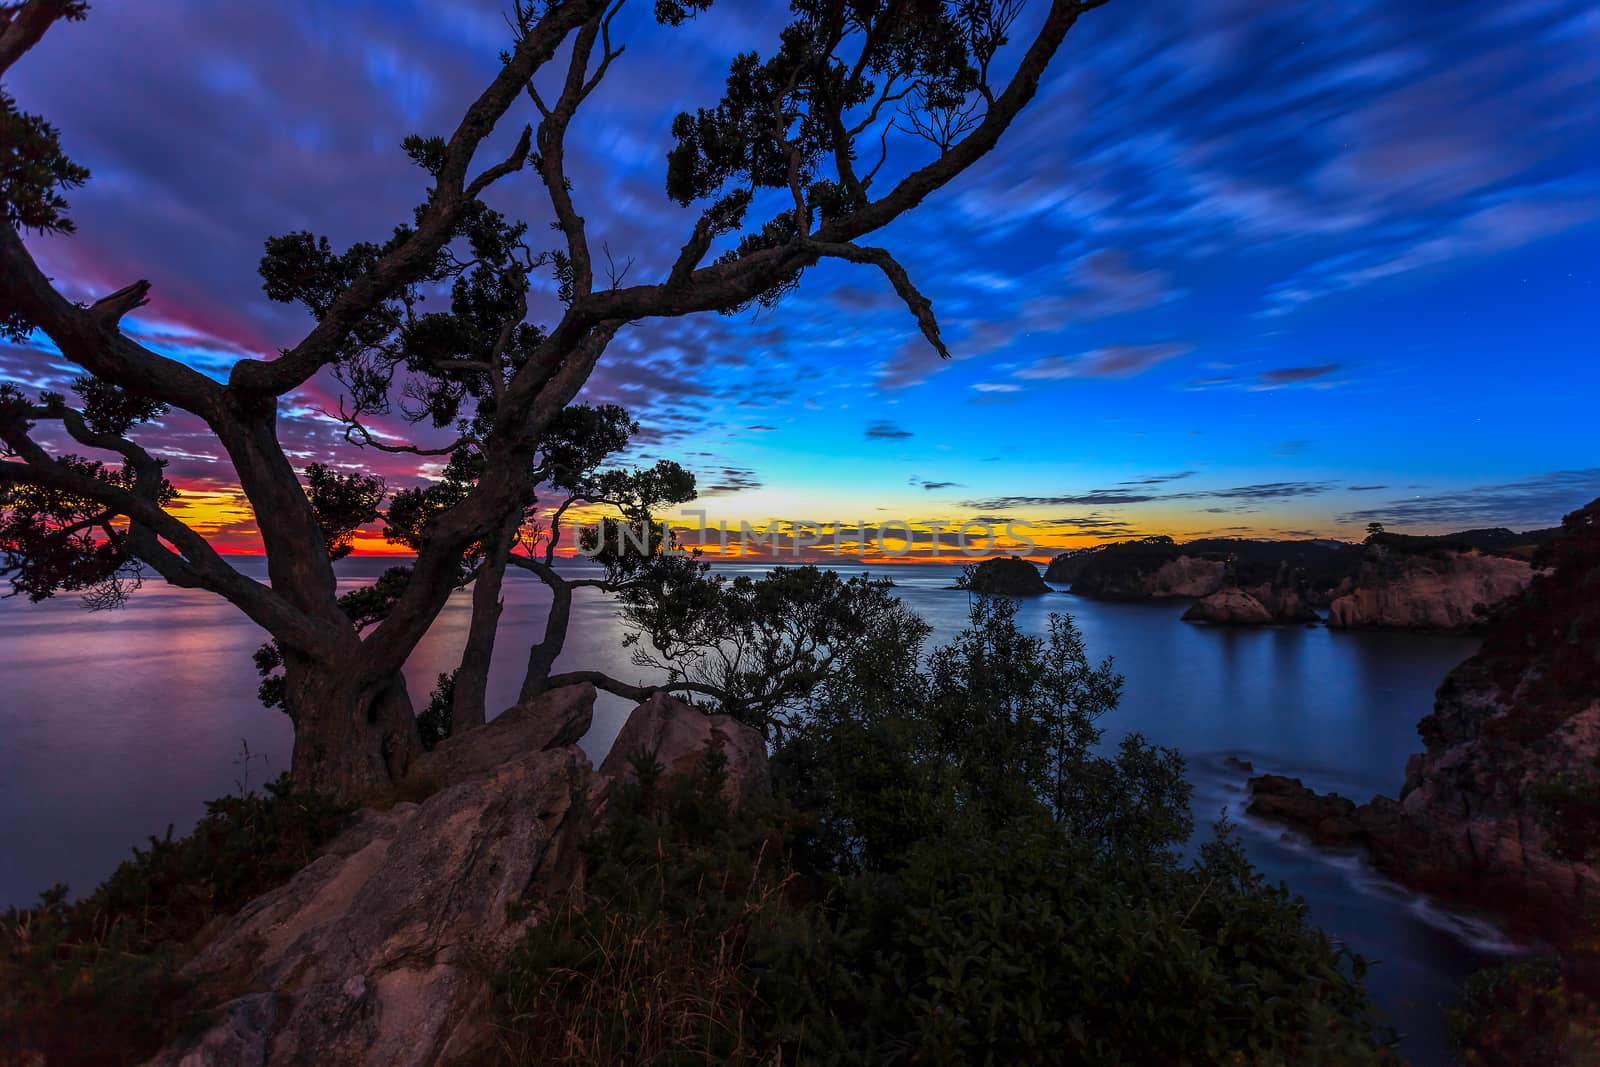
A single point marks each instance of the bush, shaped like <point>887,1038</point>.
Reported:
<point>953,873</point>
<point>652,966</point>
<point>1011,947</point>
<point>95,982</point>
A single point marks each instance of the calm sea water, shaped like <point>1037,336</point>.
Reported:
<point>115,725</point>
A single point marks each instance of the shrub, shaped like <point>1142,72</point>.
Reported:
<point>953,873</point>
<point>95,981</point>
<point>651,966</point>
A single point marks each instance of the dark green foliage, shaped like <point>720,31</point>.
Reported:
<point>34,172</point>
<point>1011,946</point>
<point>111,409</point>
<point>651,967</point>
<point>1525,1014</point>
<point>55,541</point>
<point>435,721</point>
<point>96,981</point>
<point>1003,576</point>
<point>1113,571</point>
<point>342,503</point>
<point>762,643</point>
<point>1498,541</point>
<point>956,874</point>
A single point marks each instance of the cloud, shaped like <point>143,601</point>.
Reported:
<point>1107,497</point>
<point>1318,376</point>
<point>729,480</point>
<point>1112,361</point>
<point>1159,479</point>
<point>1539,500</point>
<point>1508,221</point>
<point>1291,375</point>
<point>882,430</point>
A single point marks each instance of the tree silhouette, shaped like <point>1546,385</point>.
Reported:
<point>851,95</point>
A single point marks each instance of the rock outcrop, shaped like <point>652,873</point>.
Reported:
<point>1263,605</point>
<point>380,950</point>
<point>1287,603</point>
<point>1166,579</point>
<point>1229,607</point>
<point>1436,590</point>
<point>1159,567</point>
<point>676,735</point>
<point>1501,811</point>
<point>1005,576</point>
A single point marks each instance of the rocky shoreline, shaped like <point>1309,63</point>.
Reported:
<point>1448,584</point>
<point>1500,813</point>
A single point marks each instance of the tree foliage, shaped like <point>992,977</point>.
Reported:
<point>907,83</point>
<point>899,904</point>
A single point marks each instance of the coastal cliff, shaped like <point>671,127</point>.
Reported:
<point>1158,568</point>
<point>1439,589</point>
<point>1501,811</point>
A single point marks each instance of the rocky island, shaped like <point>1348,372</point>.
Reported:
<point>1004,576</point>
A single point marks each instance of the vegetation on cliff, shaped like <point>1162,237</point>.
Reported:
<point>1161,567</point>
<point>96,981</point>
<point>951,871</point>
<point>947,866</point>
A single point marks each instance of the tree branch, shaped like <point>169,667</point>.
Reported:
<point>28,24</point>
<point>89,337</point>
<point>641,693</point>
<point>920,305</point>
<point>437,224</point>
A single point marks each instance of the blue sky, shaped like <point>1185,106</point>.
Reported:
<point>1240,268</point>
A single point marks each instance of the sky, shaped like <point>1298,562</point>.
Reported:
<point>1240,269</point>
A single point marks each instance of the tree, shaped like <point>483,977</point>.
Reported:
<point>908,85</point>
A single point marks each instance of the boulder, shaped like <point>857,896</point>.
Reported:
<point>552,720</point>
<point>1229,607</point>
<point>676,734</point>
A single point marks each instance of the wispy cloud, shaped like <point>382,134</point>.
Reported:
<point>883,430</point>
<point>1537,501</point>
<point>1113,361</point>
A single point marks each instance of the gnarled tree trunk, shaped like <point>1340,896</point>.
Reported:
<point>354,735</point>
